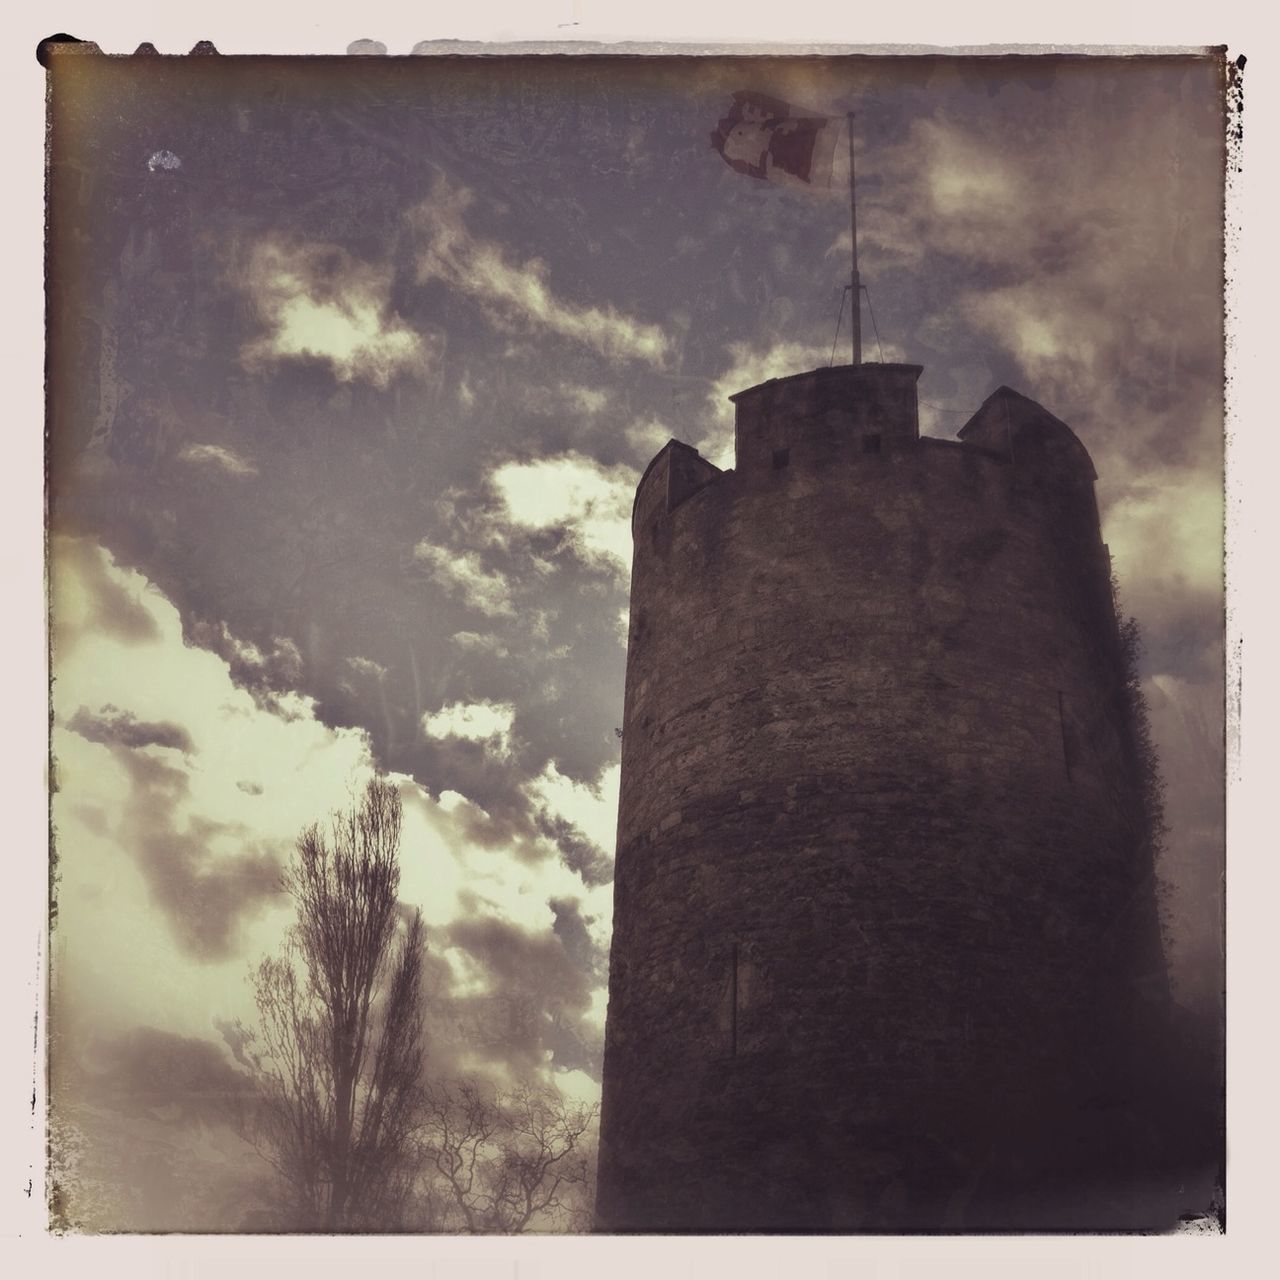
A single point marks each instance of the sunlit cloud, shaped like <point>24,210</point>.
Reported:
<point>1166,534</point>
<point>478,642</point>
<point>1051,342</point>
<point>318,301</point>
<point>163,891</point>
<point>591,502</point>
<point>463,573</point>
<point>152,818</point>
<point>487,722</point>
<point>647,435</point>
<point>220,457</point>
<point>591,807</point>
<point>367,667</point>
<point>520,294</point>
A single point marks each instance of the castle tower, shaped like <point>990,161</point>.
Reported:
<point>885,930</point>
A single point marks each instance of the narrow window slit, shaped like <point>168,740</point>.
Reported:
<point>733,1005</point>
<point>1066,740</point>
<point>780,458</point>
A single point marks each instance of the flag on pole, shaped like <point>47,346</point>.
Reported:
<point>767,138</point>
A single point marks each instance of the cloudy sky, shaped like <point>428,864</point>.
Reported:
<point>355,366</point>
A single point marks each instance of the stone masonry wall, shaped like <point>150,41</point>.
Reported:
<point>880,918</point>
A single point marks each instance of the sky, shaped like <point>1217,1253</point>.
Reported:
<point>354,369</point>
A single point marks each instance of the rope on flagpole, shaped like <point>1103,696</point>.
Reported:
<point>871,311</point>
<point>839,316</point>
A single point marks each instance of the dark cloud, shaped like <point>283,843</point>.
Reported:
<point>111,726</point>
<point>526,829</point>
<point>580,854</point>
<point>266,672</point>
<point>204,894</point>
<point>249,788</point>
<point>93,817</point>
<point>536,999</point>
<point>146,1134</point>
<point>1183,637</point>
<point>148,1068</point>
<point>571,928</point>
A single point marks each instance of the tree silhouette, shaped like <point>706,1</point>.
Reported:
<point>339,1043</point>
<point>506,1163</point>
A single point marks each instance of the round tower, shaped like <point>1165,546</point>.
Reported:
<point>884,919</point>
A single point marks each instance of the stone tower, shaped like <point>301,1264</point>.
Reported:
<point>886,945</point>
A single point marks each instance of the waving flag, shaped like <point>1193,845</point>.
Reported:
<point>767,138</point>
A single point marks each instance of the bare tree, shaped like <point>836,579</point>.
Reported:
<point>506,1163</point>
<point>339,1045</point>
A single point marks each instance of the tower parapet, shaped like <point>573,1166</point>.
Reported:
<point>676,472</point>
<point>1015,427</point>
<point>867,406</point>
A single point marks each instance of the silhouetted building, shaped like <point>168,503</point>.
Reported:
<point>886,951</point>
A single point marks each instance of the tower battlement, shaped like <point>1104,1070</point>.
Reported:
<point>828,419</point>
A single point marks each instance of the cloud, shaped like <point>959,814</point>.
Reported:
<point>237,1039</point>
<point>464,573</point>
<point>112,726</point>
<point>955,192</point>
<point>529,1001</point>
<point>475,642</point>
<point>516,943</point>
<point>581,855</point>
<point>317,300</point>
<point>647,435</point>
<point>367,667</point>
<point>146,1134</point>
<point>157,872</point>
<point>554,399</point>
<point>1165,532</point>
<point>205,875</point>
<point>519,295</point>
<point>1153,427</point>
<point>269,676</point>
<point>483,722</point>
<point>1076,259</point>
<point>589,501</point>
<point>590,400</point>
<point>149,1067</point>
<point>496,545</point>
<point>88,600</point>
<point>580,943</point>
<point>1077,269</point>
<point>219,456</point>
<point>591,808</point>
<point>165,891</point>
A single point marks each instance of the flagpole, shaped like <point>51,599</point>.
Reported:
<point>855,283</point>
